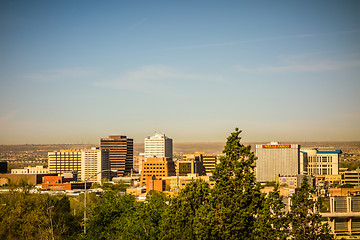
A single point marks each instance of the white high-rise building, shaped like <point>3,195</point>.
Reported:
<point>158,146</point>
<point>93,161</point>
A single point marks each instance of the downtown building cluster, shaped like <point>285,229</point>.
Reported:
<point>157,169</point>
<point>114,160</point>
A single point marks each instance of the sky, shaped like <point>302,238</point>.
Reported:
<point>76,71</point>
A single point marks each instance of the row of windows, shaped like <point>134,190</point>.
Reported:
<point>154,172</point>
<point>320,159</point>
<point>321,171</point>
<point>154,167</point>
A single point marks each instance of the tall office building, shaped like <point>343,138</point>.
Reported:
<point>93,161</point>
<point>158,146</point>
<point>121,151</point>
<point>65,161</point>
<point>274,159</point>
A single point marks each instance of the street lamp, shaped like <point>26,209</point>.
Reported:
<point>85,194</point>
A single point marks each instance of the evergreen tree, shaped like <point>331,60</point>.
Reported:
<point>305,220</point>
<point>178,219</point>
<point>235,199</point>
<point>272,221</point>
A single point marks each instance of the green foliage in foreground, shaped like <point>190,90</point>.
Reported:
<point>233,209</point>
<point>36,216</point>
<point>116,217</point>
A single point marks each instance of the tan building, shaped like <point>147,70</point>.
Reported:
<point>157,167</point>
<point>181,181</point>
<point>275,158</point>
<point>138,160</point>
<point>65,161</point>
<point>208,161</point>
<point>93,161</point>
<point>344,217</point>
<point>30,170</point>
<point>32,179</point>
<point>185,167</point>
<point>351,177</point>
<point>121,151</point>
<point>293,181</point>
<point>322,180</point>
<point>321,162</point>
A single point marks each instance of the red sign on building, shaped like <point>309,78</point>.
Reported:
<point>276,146</point>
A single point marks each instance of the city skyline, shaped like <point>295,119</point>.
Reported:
<point>73,72</point>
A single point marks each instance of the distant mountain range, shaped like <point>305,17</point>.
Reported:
<point>182,148</point>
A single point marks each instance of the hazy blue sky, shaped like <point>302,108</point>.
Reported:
<point>75,71</point>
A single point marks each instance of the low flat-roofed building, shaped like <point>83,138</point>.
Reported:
<point>344,216</point>
<point>32,179</point>
<point>30,170</point>
<point>181,181</point>
<point>323,180</point>
<point>293,181</point>
<point>57,183</point>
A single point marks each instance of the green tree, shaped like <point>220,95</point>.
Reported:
<point>149,215</point>
<point>178,219</point>
<point>104,214</point>
<point>235,199</point>
<point>36,216</point>
<point>305,219</point>
<point>114,216</point>
<point>271,221</point>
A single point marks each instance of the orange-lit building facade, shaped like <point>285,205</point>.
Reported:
<point>158,168</point>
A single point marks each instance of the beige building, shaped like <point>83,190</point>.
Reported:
<point>344,217</point>
<point>275,158</point>
<point>30,170</point>
<point>321,162</point>
<point>185,167</point>
<point>208,161</point>
<point>158,168</point>
<point>138,160</point>
<point>322,180</point>
<point>93,161</point>
<point>65,161</point>
<point>181,181</point>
